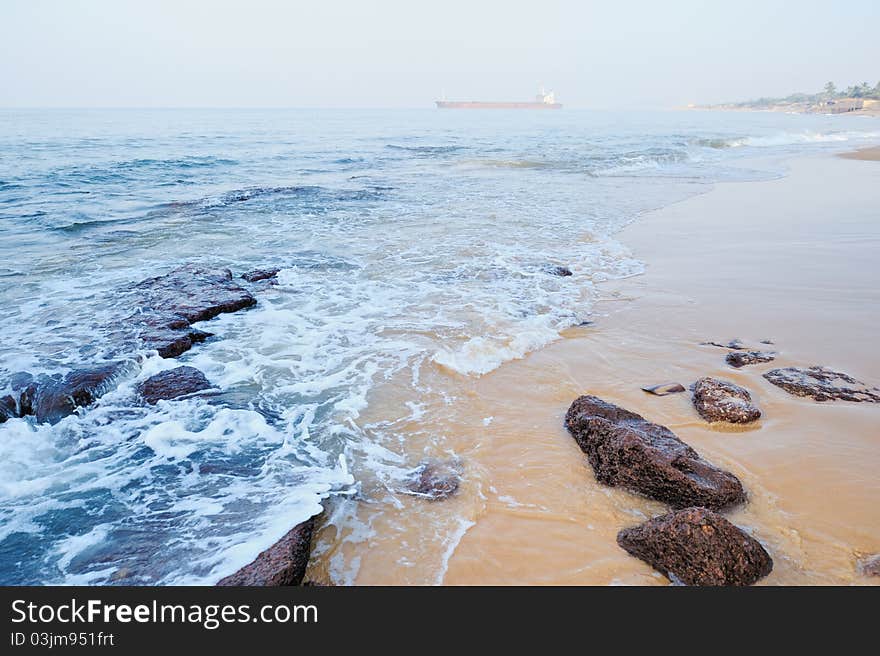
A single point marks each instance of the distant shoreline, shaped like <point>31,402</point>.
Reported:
<point>871,108</point>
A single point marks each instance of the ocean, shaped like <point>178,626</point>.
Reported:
<point>417,248</point>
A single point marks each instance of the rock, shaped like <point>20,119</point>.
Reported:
<point>8,408</point>
<point>561,271</point>
<point>51,398</point>
<point>869,565</point>
<point>173,384</point>
<point>822,384</point>
<point>734,344</point>
<point>170,336</point>
<point>767,341</point>
<point>696,546</point>
<point>436,479</point>
<point>282,564</point>
<point>626,450</point>
<point>721,400</point>
<point>169,304</point>
<point>664,389</point>
<point>260,274</point>
<point>742,358</point>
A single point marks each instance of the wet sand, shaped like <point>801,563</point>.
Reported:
<point>792,260</point>
<point>868,154</point>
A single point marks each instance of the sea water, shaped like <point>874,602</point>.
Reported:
<point>407,240</point>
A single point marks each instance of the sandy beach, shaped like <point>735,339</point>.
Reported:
<point>867,154</point>
<point>791,260</point>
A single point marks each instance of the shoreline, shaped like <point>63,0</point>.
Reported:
<point>768,265</point>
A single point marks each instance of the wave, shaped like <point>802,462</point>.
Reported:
<point>427,151</point>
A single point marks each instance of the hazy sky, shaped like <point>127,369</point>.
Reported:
<point>402,53</point>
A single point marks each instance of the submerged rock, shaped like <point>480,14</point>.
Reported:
<point>822,384</point>
<point>169,304</point>
<point>435,479</point>
<point>742,358</point>
<point>721,400</point>
<point>170,336</point>
<point>626,450</point>
<point>282,564</point>
<point>735,344</point>
<point>698,547</point>
<point>561,271</point>
<point>173,384</point>
<point>664,389</point>
<point>869,565</point>
<point>51,398</point>
<point>260,274</point>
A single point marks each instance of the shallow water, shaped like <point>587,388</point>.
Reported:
<point>414,247</point>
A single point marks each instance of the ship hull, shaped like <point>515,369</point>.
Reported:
<point>448,104</point>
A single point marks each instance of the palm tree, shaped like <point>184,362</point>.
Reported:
<point>830,90</point>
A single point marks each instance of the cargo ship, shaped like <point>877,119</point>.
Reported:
<point>542,101</point>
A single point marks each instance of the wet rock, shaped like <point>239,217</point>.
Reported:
<point>869,565</point>
<point>766,341</point>
<point>282,564</point>
<point>664,389</point>
<point>51,398</point>
<point>626,450</point>
<point>435,479</point>
<point>742,358</point>
<point>8,408</point>
<point>173,384</point>
<point>822,384</point>
<point>561,271</point>
<point>735,344</point>
<point>169,304</point>
<point>696,546</point>
<point>169,335</point>
<point>721,400</point>
<point>260,274</point>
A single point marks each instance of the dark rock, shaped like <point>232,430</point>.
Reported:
<point>721,400</point>
<point>8,408</point>
<point>260,274</point>
<point>173,384</point>
<point>436,479</point>
<point>169,304</point>
<point>696,546</point>
<point>766,341</point>
<point>51,398</point>
<point>742,358</point>
<point>282,564</point>
<point>822,384</point>
<point>664,389</point>
<point>561,271</point>
<point>628,451</point>
<point>735,344</point>
<point>869,565</point>
<point>169,335</point>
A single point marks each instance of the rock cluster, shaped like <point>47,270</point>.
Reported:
<point>822,384</point>
<point>740,359</point>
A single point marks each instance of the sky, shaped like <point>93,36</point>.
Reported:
<point>405,53</point>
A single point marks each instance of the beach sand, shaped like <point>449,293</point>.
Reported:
<point>869,154</point>
<point>793,260</point>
